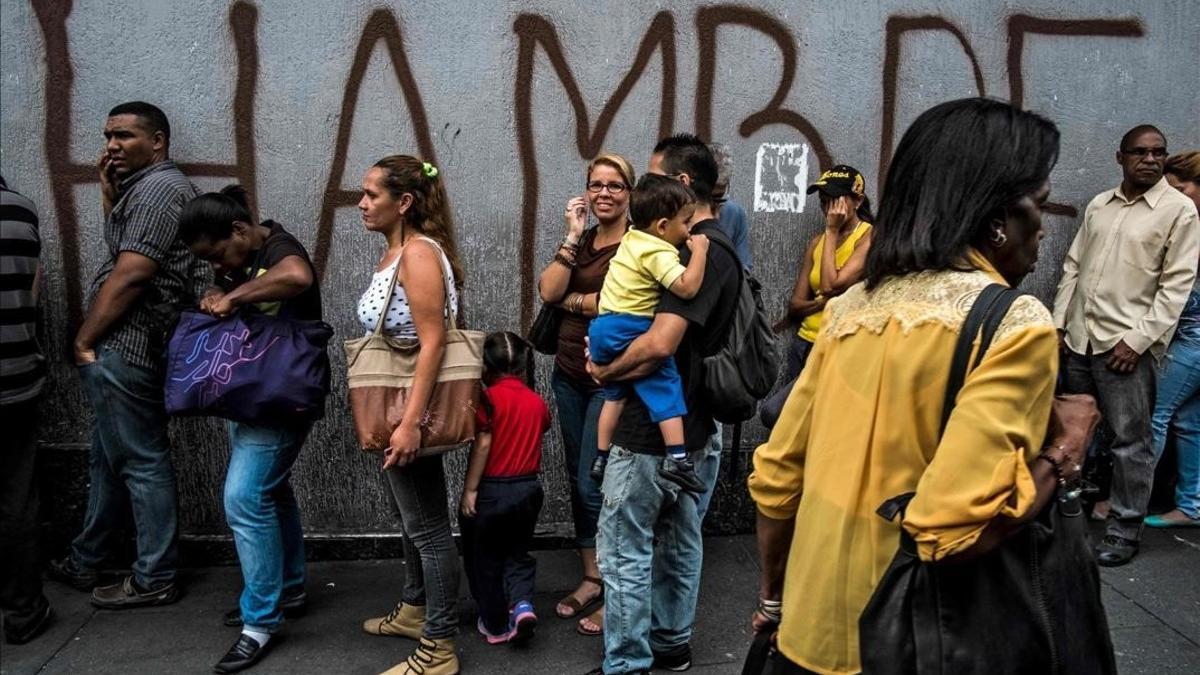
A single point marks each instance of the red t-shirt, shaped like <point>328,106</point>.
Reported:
<point>518,420</point>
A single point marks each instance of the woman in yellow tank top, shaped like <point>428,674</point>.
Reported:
<point>827,271</point>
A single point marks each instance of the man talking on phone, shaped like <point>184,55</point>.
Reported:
<point>147,274</point>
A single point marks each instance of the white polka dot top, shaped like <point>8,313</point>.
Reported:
<point>398,322</point>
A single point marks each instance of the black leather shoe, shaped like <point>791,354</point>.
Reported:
<point>1115,551</point>
<point>598,464</point>
<point>293,606</point>
<point>243,654</point>
<point>681,472</point>
<point>19,633</point>
<point>66,571</point>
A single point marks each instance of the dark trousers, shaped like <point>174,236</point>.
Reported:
<point>1127,403</point>
<point>496,546</point>
<point>21,584</point>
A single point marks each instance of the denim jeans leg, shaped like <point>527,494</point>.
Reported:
<point>107,502</point>
<point>1187,443</point>
<point>131,426</point>
<point>578,414</point>
<point>260,464</point>
<point>420,493</point>
<point>1178,411</point>
<point>678,558</point>
<point>1127,403</point>
<point>633,500</point>
<point>1178,380</point>
<point>708,468</point>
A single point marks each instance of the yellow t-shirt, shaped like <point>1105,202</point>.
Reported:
<point>812,323</point>
<point>642,266</point>
<point>861,426</point>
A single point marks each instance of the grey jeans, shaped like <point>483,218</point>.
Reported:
<point>430,556</point>
<point>1127,403</point>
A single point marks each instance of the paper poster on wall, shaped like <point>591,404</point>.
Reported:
<point>780,176</point>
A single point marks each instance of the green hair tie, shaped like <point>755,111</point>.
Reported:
<point>429,170</point>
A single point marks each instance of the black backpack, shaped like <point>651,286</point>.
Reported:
<point>743,370</point>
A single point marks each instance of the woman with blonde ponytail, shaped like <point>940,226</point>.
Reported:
<point>404,199</point>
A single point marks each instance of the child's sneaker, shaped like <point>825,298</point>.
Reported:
<point>522,622</point>
<point>597,470</point>
<point>493,639</point>
<point>681,472</point>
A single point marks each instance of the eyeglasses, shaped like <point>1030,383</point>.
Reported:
<point>1156,153</point>
<point>614,188</point>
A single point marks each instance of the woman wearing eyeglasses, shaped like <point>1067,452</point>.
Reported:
<point>573,280</point>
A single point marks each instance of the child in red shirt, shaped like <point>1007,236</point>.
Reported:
<point>502,495</point>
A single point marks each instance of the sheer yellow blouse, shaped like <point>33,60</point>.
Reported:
<point>861,425</point>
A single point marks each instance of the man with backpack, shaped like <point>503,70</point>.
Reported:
<point>650,624</point>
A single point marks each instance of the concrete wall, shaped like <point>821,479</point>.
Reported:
<point>296,100</point>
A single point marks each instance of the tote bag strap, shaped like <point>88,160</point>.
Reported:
<point>984,318</point>
<point>451,312</point>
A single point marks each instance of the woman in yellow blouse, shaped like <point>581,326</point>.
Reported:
<point>827,271</point>
<point>962,208</point>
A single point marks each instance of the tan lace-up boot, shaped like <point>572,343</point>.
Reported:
<point>403,621</point>
<point>431,657</point>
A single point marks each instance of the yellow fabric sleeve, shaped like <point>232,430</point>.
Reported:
<point>778,477</point>
<point>980,469</point>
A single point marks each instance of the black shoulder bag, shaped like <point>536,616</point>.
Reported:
<point>1031,605</point>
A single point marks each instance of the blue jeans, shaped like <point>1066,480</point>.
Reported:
<point>578,412</point>
<point>431,571</point>
<point>708,469</point>
<point>650,553</point>
<point>129,466</point>
<point>262,512</point>
<point>1178,409</point>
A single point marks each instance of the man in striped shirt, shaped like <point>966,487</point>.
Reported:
<point>147,275</point>
<point>26,611</point>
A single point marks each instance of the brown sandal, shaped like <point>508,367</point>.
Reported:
<point>577,607</point>
<point>583,630</point>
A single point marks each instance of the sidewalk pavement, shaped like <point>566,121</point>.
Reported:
<point>1153,609</point>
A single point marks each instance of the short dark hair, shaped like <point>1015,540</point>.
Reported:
<point>1138,131</point>
<point>657,197</point>
<point>955,170</point>
<point>151,116</point>
<point>211,216</point>
<point>686,153</point>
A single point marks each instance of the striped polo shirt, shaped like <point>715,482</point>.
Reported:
<point>22,367</point>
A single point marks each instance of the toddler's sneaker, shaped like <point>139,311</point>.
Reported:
<point>681,472</point>
<point>493,639</point>
<point>597,470</point>
<point>522,622</point>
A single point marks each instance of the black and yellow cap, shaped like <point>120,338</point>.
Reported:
<point>839,181</point>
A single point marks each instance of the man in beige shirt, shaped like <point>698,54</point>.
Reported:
<point>1125,280</point>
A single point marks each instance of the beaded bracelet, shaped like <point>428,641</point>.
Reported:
<point>563,260</point>
<point>1064,493</point>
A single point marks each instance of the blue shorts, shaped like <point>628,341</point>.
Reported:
<point>662,391</point>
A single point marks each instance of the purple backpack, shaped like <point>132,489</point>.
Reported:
<point>248,367</point>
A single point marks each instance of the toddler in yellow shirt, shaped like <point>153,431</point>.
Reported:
<point>647,262</point>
